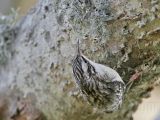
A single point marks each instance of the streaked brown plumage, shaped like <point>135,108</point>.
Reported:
<point>101,85</point>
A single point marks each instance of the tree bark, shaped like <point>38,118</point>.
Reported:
<point>38,50</point>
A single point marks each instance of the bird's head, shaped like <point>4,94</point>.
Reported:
<point>81,62</point>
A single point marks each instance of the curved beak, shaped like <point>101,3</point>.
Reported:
<point>78,48</point>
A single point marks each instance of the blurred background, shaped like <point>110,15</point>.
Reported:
<point>149,109</point>
<point>22,5</point>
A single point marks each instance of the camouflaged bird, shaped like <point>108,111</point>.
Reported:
<point>101,86</point>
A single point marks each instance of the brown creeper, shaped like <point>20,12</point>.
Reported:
<point>100,85</point>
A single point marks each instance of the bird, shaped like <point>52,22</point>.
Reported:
<point>100,85</point>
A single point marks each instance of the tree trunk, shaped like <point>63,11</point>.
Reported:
<point>36,53</point>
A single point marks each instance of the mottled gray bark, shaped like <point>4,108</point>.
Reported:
<point>119,33</point>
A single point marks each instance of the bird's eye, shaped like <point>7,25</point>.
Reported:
<point>84,60</point>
